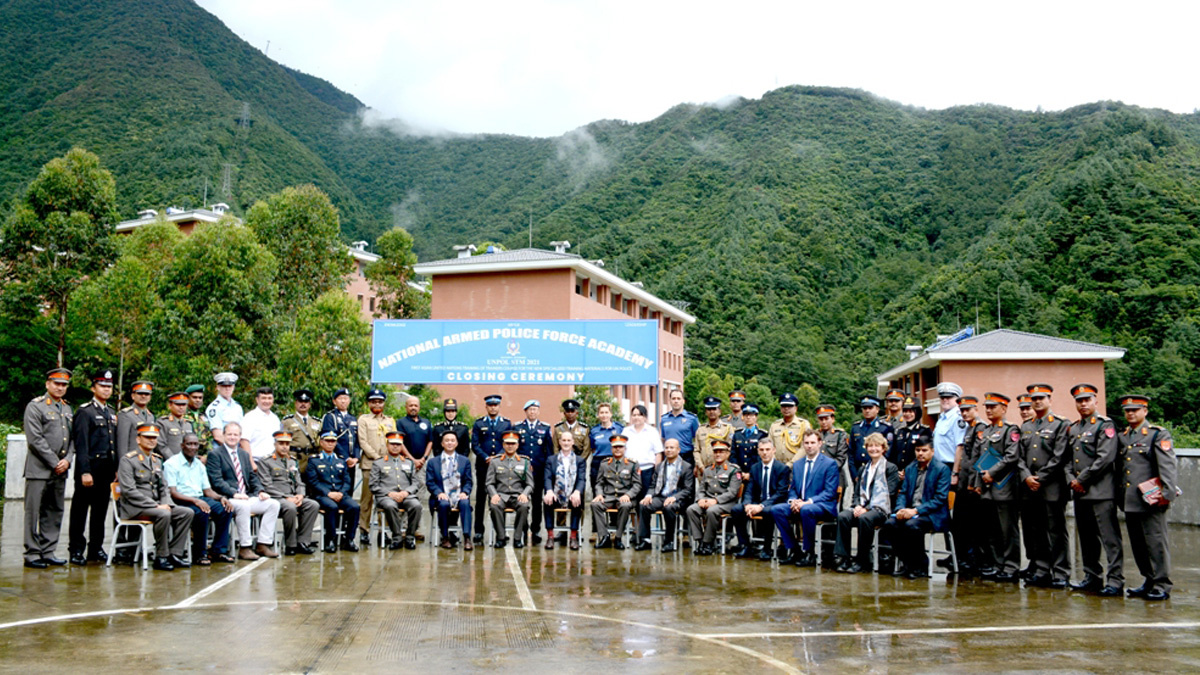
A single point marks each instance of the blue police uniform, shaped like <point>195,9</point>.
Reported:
<point>683,428</point>
<point>327,473</point>
<point>417,433</point>
<point>536,444</point>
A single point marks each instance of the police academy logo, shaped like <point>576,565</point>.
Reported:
<point>514,348</point>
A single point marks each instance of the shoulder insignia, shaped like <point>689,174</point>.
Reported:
<point>1014,436</point>
<point>39,399</point>
<point>289,416</point>
<point>1144,431</point>
<point>1110,432</point>
<point>1165,444</point>
<point>131,453</point>
<point>962,424</point>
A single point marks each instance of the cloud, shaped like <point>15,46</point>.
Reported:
<point>404,214</point>
<point>370,119</point>
<point>726,102</point>
<point>582,156</point>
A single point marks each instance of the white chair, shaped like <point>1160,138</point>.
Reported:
<point>123,524</point>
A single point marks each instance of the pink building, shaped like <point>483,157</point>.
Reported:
<point>535,284</point>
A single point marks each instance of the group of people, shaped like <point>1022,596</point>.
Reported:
<point>1007,483</point>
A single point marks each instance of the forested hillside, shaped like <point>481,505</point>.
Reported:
<point>814,231</point>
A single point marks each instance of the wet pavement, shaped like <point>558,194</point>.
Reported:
<point>566,611</point>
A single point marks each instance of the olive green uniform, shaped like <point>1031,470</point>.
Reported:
<point>1093,462</point>
<point>616,477</point>
<point>280,479</point>
<point>720,482</point>
<point>509,477</point>
<point>47,426</point>
<point>1148,452</point>
<point>143,490</point>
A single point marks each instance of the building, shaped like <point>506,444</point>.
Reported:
<point>1004,361</point>
<point>536,284</point>
<point>357,286</point>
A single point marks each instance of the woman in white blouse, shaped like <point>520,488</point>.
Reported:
<point>645,445</point>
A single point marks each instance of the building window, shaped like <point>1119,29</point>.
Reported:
<point>372,303</point>
<point>615,301</point>
<point>360,300</point>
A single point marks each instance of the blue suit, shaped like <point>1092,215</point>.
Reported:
<point>435,482</point>
<point>821,487</point>
<point>757,492</point>
<point>933,514</point>
<point>325,474</point>
<point>580,486</point>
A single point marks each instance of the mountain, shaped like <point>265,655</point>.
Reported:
<point>814,231</point>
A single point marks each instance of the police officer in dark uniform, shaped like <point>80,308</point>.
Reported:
<point>997,478</point>
<point>1044,491</point>
<point>345,425</point>
<point>1148,453</point>
<point>47,424</point>
<point>330,484</point>
<point>95,434</point>
<point>450,423</point>
<point>745,440</point>
<point>537,445</point>
<point>903,451</point>
<point>1091,472</point>
<point>303,427</point>
<point>869,424</point>
<point>485,444</point>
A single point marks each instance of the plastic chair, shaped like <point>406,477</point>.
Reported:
<point>122,524</point>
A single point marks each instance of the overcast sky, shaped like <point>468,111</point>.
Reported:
<point>544,67</point>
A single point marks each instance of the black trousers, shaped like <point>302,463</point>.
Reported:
<point>94,501</point>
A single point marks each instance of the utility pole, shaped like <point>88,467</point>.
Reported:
<point>531,227</point>
<point>999,323</point>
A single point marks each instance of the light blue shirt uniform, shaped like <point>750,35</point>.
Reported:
<point>948,434</point>
<point>189,478</point>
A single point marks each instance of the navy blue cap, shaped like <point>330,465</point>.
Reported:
<point>570,405</point>
<point>749,409</point>
<point>712,402</point>
<point>868,401</point>
<point>303,395</point>
<point>341,391</point>
<point>788,399</point>
<point>494,399</point>
<point>376,395</point>
<point>331,435</point>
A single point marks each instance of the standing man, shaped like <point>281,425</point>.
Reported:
<point>1044,499</point>
<point>304,429</point>
<point>510,486</point>
<point>195,415</point>
<point>259,425</point>
<point>950,429</point>
<point>1091,475</point>
<point>394,483</point>
<point>737,403</point>
<point>223,408</point>
<point>134,416</point>
<point>537,445</point>
<point>571,423</point>
<point>1025,408</point>
<point>835,443</point>
<point>599,437</point>
<point>869,424</point>
<point>418,432</point>
<point>1150,487</point>
<point>768,482</point>
<point>903,451</point>
<point>145,496</point>
<point>47,425</point>
<point>812,497</point>
<point>188,485</point>
<point>716,495</point>
<point>713,429</point>
<point>450,423</point>
<point>232,476</point>
<point>999,461</point>
<point>330,485</point>
<point>617,486</point>
<point>967,514</point>
<point>373,430</point>
<point>788,433</point>
<point>680,425</point>
<point>345,426</point>
<point>280,478</point>
<point>744,451</point>
<point>485,444</point>
<point>894,400</point>
<point>95,433</point>
<point>174,426</point>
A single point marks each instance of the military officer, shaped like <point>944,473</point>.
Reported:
<point>618,484</point>
<point>903,451</point>
<point>571,423</point>
<point>195,415</point>
<point>223,408</point>
<point>1044,492</point>
<point>744,449</point>
<point>450,423</point>
<point>303,427</point>
<point>395,482</point>
<point>47,425</point>
<point>1150,485</point>
<point>174,425</point>
<point>537,445</point>
<point>485,444</point>
<point>373,430</point>
<point>345,425</point>
<point>967,513</point>
<point>737,406</point>
<point>510,485</point>
<point>330,484</point>
<point>894,400</point>
<point>713,429</point>
<point>1025,407</point>
<point>716,495</point>
<point>788,433</point>
<point>999,461</point>
<point>133,416</point>
<point>869,424</point>
<point>94,432</point>
<point>1091,472</point>
<point>280,478</point>
<point>145,496</point>
<point>835,443</point>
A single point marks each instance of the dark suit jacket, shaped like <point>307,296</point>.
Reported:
<point>224,479</point>
<point>580,472</point>
<point>779,478</point>
<point>933,498</point>
<point>893,481</point>
<point>823,479</point>
<point>685,488</point>
<point>433,476</point>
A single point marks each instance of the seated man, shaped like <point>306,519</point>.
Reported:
<point>280,478</point>
<point>671,492</point>
<point>187,480</point>
<point>921,507</point>
<point>232,476</point>
<point>565,481</point>
<point>716,495</point>
<point>329,485</point>
<point>869,508</point>
<point>448,478</point>
<point>768,486</point>
<point>145,496</point>
<point>618,483</point>
<point>509,486</point>
<point>812,497</point>
<point>394,480</point>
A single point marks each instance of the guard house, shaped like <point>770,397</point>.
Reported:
<point>1004,361</point>
<point>536,284</point>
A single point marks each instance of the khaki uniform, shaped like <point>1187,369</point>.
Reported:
<point>1148,452</point>
<point>582,447</point>
<point>305,431</point>
<point>705,435</point>
<point>509,477</point>
<point>788,438</point>
<point>615,478</point>
<point>280,478</point>
<point>396,474</point>
<point>47,428</point>
<point>720,482</point>
<point>143,490</point>
<point>372,441</point>
<point>170,441</point>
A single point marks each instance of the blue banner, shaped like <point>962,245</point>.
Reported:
<point>515,352</point>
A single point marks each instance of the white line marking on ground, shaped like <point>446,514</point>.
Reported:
<point>951,630</point>
<point>220,584</point>
<point>514,566</point>
<point>72,617</point>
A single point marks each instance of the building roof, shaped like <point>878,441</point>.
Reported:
<point>526,259</point>
<point>171,216</point>
<point>1007,345</point>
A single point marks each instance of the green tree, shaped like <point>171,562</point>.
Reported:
<point>59,234</point>
<point>300,226</point>
<point>344,357</point>
<point>390,276</point>
<point>590,397</point>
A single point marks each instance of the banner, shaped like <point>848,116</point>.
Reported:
<point>515,352</point>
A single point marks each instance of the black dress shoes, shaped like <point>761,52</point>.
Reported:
<point>410,543</point>
<point>765,555</point>
<point>396,544</point>
<point>78,559</point>
<point>51,560</point>
<point>179,562</point>
<point>917,574</point>
<point>619,544</point>
<point>37,564</point>
<point>1005,577</point>
<point>1057,584</point>
<point>331,547</point>
<point>747,552</point>
<point>668,547</point>
<point>1037,580</point>
<point>536,538</point>
<point>349,545</point>
<point>643,545</point>
<point>306,549</point>
<point>99,556</point>
<point>291,550</point>
<point>1111,592</point>
<point>604,542</point>
<point>519,542</point>
<point>164,564</point>
<point>790,556</point>
<point>806,560</point>
<point>1157,596</point>
<point>501,542</point>
<point>1090,584</point>
<point>1138,592</point>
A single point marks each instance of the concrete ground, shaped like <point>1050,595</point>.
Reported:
<point>538,611</point>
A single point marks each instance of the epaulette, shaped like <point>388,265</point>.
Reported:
<point>39,399</point>
<point>126,408</point>
<point>289,416</point>
<point>1157,428</point>
<point>131,453</point>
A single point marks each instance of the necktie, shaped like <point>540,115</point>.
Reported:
<point>237,468</point>
<point>804,488</point>
<point>766,483</point>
